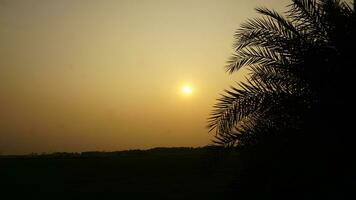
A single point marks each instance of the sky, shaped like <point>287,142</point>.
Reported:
<point>106,75</point>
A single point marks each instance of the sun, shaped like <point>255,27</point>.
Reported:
<point>187,90</point>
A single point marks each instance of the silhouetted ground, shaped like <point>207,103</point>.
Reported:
<point>167,173</point>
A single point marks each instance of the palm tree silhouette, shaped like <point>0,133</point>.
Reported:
<point>300,74</point>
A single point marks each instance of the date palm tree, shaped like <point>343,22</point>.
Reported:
<point>300,73</point>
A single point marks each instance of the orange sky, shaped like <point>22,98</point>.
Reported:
<point>80,75</point>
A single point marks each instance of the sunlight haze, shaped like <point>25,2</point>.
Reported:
<point>91,75</point>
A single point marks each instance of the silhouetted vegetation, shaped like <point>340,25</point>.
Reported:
<point>133,152</point>
<point>295,112</point>
<point>289,126</point>
<point>300,75</point>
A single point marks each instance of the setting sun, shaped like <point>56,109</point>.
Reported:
<point>113,75</point>
<point>187,90</point>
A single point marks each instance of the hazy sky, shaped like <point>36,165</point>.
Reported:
<point>79,75</point>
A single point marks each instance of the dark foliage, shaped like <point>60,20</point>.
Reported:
<point>298,103</point>
<point>301,76</point>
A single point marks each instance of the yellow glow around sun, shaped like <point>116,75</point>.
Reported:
<point>187,90</point>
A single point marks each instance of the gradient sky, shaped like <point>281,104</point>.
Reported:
<point>104,75</point>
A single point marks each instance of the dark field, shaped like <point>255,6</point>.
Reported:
<point>157,174</point>
<point>173,173</point>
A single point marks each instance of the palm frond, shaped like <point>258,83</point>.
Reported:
<point>239,104</point>
<point>286,26</point>
<point>307,16</point>
<point>252,56</point>
<point>263,41</point>
<point>288,59</point>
